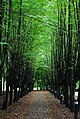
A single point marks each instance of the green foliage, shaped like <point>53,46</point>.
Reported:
<point>43,40</point>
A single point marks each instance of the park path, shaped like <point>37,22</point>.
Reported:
<point>37,105</point>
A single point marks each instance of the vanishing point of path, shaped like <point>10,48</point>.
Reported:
<point>37,105</point>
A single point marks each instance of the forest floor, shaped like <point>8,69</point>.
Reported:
<point>37,105</point>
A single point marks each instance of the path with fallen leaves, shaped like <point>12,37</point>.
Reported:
<point>37,105</point>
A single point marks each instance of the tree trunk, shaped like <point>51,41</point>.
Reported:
<point>1,1</point>
<point>5,102</point>
<point>11,78</point>
<point>78,40</point>
<point>7,79</point>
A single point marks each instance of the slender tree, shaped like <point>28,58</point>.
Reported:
<point>6,50</point>
<point>1,17</point>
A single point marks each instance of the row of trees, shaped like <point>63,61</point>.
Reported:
<point>16,70</point>
<point>25,48</point>
<point>65,55</point>
<point>34,42</point>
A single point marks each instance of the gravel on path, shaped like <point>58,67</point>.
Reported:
<point>37,105</point>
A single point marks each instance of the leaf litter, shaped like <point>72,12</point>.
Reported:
<point>37,105</point>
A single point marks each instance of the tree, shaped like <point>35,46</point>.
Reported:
<point>1,17</point>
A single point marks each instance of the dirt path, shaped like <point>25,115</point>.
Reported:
<point>37,105</point>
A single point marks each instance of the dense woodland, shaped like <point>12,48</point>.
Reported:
<point>39,47</point>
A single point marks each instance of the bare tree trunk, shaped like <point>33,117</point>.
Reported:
<point>7,79</point>
<point>78,72</point>
<point>1,1</point>
<point>18,50</point>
